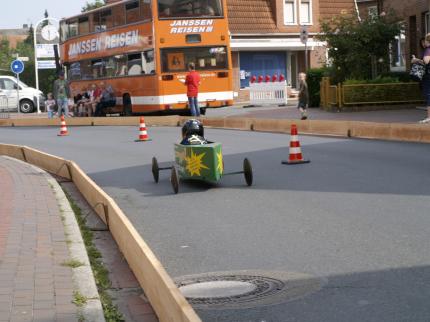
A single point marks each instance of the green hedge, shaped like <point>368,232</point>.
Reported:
<point>314,77</point>
<point>380,94</point>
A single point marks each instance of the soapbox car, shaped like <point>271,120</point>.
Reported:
<point>199,162</point>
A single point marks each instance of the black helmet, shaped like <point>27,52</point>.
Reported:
<point>192,127</point>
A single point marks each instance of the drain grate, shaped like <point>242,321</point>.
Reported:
<point>266,288</point>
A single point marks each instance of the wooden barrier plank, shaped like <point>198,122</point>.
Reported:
<point>14,151</point>
<point>370,130</point>
<point>272,125</point>
<point>337,128</point>
<point>238,123</point>
<point>48,162</point>
<point>403,132</point>
<point>94,195</point>
<point>425,133</point>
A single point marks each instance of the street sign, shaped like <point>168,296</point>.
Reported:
<point>304,34</point>
<point>45,51</point>
<point>23,58</point>
<point>46,64</point>
<point>17,66</point>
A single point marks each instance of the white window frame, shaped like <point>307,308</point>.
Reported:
<point>401,60</point>
<point>427,22</point>
<point>310,22</point>
<point>294,12</point>
<point>372,11</point>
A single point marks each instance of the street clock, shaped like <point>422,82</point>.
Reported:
<point>49,32</point>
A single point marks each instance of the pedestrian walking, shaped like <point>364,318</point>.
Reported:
<point>61,93</point>
<point>192,81</point>
<point>425,82</point>
<point>303,96</point>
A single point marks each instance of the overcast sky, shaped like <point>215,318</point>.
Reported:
<point>15,13</point>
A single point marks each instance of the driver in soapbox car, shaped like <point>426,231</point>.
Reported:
<point>193,133</point>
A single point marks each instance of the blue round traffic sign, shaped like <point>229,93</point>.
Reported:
<point>17,66</point>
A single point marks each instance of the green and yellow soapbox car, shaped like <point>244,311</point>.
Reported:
<point>199,162</point>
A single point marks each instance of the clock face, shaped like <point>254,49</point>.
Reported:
<point>49,32</point>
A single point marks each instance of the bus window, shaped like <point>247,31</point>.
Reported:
<point>189,8</point>
<point>120,65</point>
<point>145,10</point>
<point>103,20</point>
<point>75,71</point>
<point>118,15</point>
<point>98,68</point>
<point>73,28</point>
<point>84,25</point>
<point>110,66</point>
<point>134,64</point>
<point>205,58</point>
<point>64,31</point>
<point>148,64</point>
<point>132,12</point>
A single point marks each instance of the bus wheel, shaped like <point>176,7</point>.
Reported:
<point>127,108</point>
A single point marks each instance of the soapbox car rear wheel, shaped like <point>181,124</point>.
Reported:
<point>155,169</point>
<point>247,171</point>
<point>174,179</point>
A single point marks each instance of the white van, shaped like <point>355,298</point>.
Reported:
<point>27,95</point>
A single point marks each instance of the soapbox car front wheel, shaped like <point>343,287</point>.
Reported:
<point>174,179</point>
<point>155,169</point>
<point>247,171</point>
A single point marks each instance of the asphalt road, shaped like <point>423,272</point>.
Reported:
<point>358,215</point>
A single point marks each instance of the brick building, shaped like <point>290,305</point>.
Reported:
<point>265,36</point>
<point>14,35</point>
<point>415,14</point>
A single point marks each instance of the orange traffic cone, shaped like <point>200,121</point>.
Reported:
<point>63,130</point>
<point>143,135</point>
<point>295,150</point>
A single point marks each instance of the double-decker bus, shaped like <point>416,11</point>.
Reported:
<point>141,48</point>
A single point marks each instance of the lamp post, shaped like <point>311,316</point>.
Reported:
<point>48,37</point>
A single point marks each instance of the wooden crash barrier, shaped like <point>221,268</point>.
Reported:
<point>166,299</point>
<point>369,130</point>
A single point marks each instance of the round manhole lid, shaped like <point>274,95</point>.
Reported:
<point>216,289</point>
<point>245,289</point>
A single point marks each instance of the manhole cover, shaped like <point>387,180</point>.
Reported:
<point>245,289</point>
<point>216,289</point>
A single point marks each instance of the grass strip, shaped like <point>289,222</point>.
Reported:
<point>101,274</point>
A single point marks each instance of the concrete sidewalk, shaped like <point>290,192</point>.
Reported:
<point>405,115</point>
<point>36,284</point>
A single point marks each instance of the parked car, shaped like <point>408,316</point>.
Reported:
<point>27,95</point>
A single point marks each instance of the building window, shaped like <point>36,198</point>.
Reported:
<point>427,21</point>
<point>306,12</point>
<point>290,12</point>
<point>372,11</point>
<point>398,54</point>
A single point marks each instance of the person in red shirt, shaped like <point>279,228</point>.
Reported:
<point>192,81</point>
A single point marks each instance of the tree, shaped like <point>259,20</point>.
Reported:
<point>93,5</point>
<point>355,47</point>
<point>5,56</point>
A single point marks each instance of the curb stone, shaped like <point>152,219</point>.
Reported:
<point>83,278</point>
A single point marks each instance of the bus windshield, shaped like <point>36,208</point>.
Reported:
<point>205,58</point>
<point>172,9</point>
